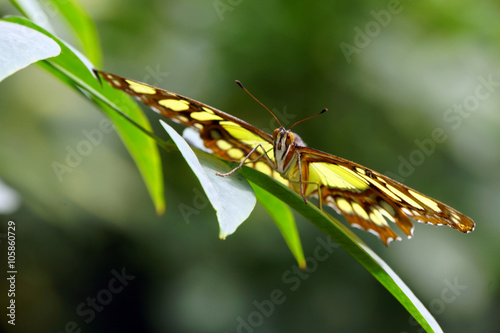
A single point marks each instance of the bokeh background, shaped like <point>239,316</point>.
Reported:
<point>391,73</point>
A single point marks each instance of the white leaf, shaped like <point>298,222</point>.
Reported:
<point>21,46</point>
<point>232,197</point>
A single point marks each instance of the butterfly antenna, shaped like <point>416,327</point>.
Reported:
<point>265,107</point>
<point>311,117</point>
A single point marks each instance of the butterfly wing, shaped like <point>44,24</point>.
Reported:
<point>226,136</point>
<point>368,199</point>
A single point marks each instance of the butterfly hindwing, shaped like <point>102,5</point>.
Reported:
<point>370,200</point>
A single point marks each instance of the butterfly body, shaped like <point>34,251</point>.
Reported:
<point>368,199</point>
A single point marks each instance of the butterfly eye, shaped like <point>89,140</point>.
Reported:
<point>275,134</point>
<point>290,138</point>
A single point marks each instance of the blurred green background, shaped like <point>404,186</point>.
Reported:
<point>391,73</point>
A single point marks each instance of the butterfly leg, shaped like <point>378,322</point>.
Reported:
<point>302,191</point>
<point>245,160</point>
<point>300,177</point>
<point>320,202</point>
<point>302,182</point>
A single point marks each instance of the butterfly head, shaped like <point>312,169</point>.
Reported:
<point>284,143</point>
<point>283,138</point>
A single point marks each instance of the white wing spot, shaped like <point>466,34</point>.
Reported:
<point>406,211</point>
<point>357,226</point>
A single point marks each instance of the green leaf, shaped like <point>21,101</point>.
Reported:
<point>74,16</point>
<point>74,69</point>
<point>350,243</point>
<point>34,11</point>
<point>232,197</point>
<point>22,46</point>
<point>285,221</point>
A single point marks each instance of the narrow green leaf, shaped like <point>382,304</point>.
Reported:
<point>73,69</point>
<point>285,221</point>
<point>232,197</point>
<point>34,11</point>
<point>22,46</point>
<point>352,244</point>
<point>74,16</point>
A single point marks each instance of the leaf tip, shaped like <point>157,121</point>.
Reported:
<point>160,208</point>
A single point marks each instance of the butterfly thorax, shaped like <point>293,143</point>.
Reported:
<point>284,143</point>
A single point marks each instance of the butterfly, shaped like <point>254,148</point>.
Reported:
<point>368,199</point>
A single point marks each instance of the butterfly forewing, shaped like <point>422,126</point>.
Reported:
<point>226,136</point>
<point>368,199</point>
